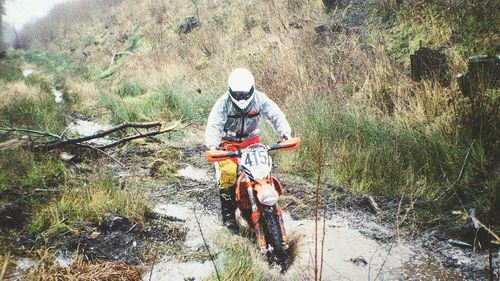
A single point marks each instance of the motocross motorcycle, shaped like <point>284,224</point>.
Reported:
<point>257,193</point>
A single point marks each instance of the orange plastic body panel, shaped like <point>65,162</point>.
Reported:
<point>290,144</point>
<point>242,193</point>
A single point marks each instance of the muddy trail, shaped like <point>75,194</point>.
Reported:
<point>359,243</point>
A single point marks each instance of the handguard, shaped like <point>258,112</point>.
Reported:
<point>219,155</point>
<point>290,144</point>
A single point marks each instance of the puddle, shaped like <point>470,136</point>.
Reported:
<point>193,173</point>
<point>87,128</point>
<point>22,265</point>
<point>168,268</point>
<point>58,95</point>
<point>172,210</point>
<point>350,255</point>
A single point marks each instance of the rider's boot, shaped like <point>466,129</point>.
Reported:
<point>228,208</point>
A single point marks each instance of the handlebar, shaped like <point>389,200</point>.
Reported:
<point>221,155</point>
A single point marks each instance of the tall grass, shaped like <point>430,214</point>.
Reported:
<point>23,169</point>
<point>374,154</point>
<point>87,203</point>
<point>165,103</point>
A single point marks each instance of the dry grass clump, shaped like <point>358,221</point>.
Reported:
<point>15,91</point>
<point>49,269</point>
<point>6,263</point>
<point>85,94</point>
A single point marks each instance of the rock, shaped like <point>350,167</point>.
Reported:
<point>359,261</point>
<point>429,64</point>
<point>320,29</point>
<point>115,222</point>
<point>483,71</point>
<point>189,24</point>
<point>66,156</point>
<point>368,200</point>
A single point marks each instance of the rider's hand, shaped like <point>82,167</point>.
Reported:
<point>285,138</point>
<point>212,148</point>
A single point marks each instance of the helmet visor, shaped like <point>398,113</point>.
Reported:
<point>241,95</point>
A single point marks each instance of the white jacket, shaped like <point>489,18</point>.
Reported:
<point>228,122</point>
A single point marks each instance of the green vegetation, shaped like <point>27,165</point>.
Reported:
<point>166,103</point>
<point>87,203</point>
<point>24,169</point>
<point>240,262</point>
<point>9,69</point>
<point>57,64</point>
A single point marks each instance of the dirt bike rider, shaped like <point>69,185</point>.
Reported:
<point>232,124</point>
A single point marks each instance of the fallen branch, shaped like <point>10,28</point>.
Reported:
<point>148,134</point>
<point>103,152</point>
<point>61,141</point>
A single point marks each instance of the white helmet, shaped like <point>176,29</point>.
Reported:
<point>241,87</point>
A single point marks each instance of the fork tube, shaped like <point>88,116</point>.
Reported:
<point>256,221</point>
<point>282,226</point>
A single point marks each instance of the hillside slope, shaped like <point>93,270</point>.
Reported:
<point>339,69</point>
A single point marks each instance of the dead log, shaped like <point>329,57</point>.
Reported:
<point>60,141</point>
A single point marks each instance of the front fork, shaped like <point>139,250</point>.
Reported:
<point>284,237</point>
<point>255,217</point>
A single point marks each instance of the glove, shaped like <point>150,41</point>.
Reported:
<point>285,138</point>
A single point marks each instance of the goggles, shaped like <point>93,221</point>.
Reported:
<point>241,95</point>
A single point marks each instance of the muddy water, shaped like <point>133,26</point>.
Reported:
<point>194,173</point>
<point>173,268</point>
<point>348,254</point>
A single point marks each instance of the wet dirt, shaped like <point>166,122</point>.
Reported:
<point>14,208</point>
<point>118,239</point>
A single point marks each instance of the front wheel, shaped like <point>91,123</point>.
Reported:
<point>280,254</point>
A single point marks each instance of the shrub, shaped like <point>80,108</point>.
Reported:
<point>130,88</point>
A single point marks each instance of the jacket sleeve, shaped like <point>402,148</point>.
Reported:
<point>216,121</point>
<point>275,116</point>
